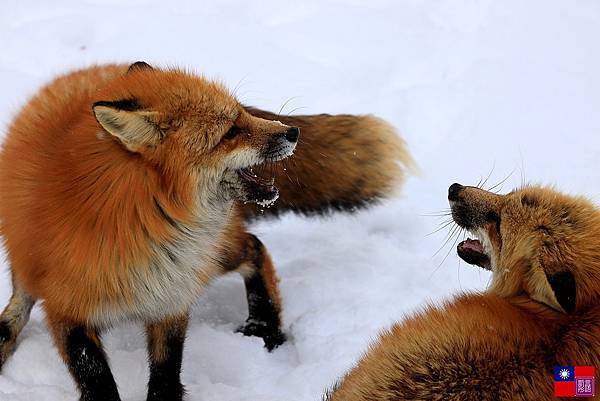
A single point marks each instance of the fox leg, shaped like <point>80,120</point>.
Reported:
<point>262,292</point>
<point>13,319</point>
<point>81,349</point>
<point>165,349</point>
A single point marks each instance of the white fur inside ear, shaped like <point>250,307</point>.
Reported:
<point>133,128</point>
<point>540,290</point>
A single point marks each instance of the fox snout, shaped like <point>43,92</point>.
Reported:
<point>453,191</point>
<point>476,210</point>
<point>461,212</point>
<point>472,207</point>
<point>282,145</point>
<point>292,134</point>
<point>261,141</point>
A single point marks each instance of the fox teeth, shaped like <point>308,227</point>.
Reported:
<point>485,241</point>
<point>481,238</point>
<point>269,202</point>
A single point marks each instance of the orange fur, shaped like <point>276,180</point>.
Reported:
<point>77,210</point>
<point>119,192</point>
<point>502,344</point>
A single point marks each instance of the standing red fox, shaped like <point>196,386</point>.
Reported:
<point>120,193</point>
<point>541,310</point>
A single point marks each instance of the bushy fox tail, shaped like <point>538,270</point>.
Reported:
<point>342,162</point>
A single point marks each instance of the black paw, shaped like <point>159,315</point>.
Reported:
<point>272,337</point>
<point>166,392</point>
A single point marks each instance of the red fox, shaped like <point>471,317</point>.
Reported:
<point>541,310</point>
<point>124,190</point>
<point>117,201</point>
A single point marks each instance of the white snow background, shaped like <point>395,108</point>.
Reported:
<point>504,88</point>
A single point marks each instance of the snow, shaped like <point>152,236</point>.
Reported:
<point>508,89</point>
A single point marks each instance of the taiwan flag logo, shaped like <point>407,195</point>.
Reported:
<point>574,381</point>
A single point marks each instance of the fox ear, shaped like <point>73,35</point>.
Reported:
<point>565,290</point>
<point>134,128</point>
<point>556,290</point>
<point>138,66</point>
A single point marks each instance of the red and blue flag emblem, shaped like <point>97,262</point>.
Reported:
<point>574,381</point>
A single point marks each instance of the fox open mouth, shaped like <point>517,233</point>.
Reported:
<point>473,252</point>
<point>256,189</point>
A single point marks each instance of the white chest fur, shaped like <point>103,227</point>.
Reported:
<point>177,273</point>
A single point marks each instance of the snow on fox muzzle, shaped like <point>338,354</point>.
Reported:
<point>472,252</point>
<point>257,189</point>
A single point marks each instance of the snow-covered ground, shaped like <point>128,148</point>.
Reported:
<point>505,88</point>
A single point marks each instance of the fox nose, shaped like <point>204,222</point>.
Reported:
<point>453,191</point>
<point>292,134</point>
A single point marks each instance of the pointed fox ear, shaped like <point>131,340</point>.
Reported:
<point>565,290</point>
<point>134,128</point>
<point>556,290</point>
<point>138,66</point>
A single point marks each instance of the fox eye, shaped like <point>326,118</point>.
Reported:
<point>232,133</point>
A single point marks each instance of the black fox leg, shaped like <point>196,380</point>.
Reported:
<point>82,351</point>
<point>165,349</point>
<point>13,319</point>
<point>262,292</point>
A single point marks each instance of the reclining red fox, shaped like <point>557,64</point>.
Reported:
<point>121,192</point>
<point>542,308</point>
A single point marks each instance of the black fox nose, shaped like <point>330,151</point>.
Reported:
<point>292,134</point>
<point>453,191</point>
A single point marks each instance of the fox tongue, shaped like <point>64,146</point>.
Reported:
<point>472,252</point>
<point>471,245</point>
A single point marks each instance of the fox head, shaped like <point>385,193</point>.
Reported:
<point>535,240</point>
<point>184,123</point>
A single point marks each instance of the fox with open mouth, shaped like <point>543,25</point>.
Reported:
<point>542,308</point>
<point>118,202</point>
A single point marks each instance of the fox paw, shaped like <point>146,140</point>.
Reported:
<point>272,337</point>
